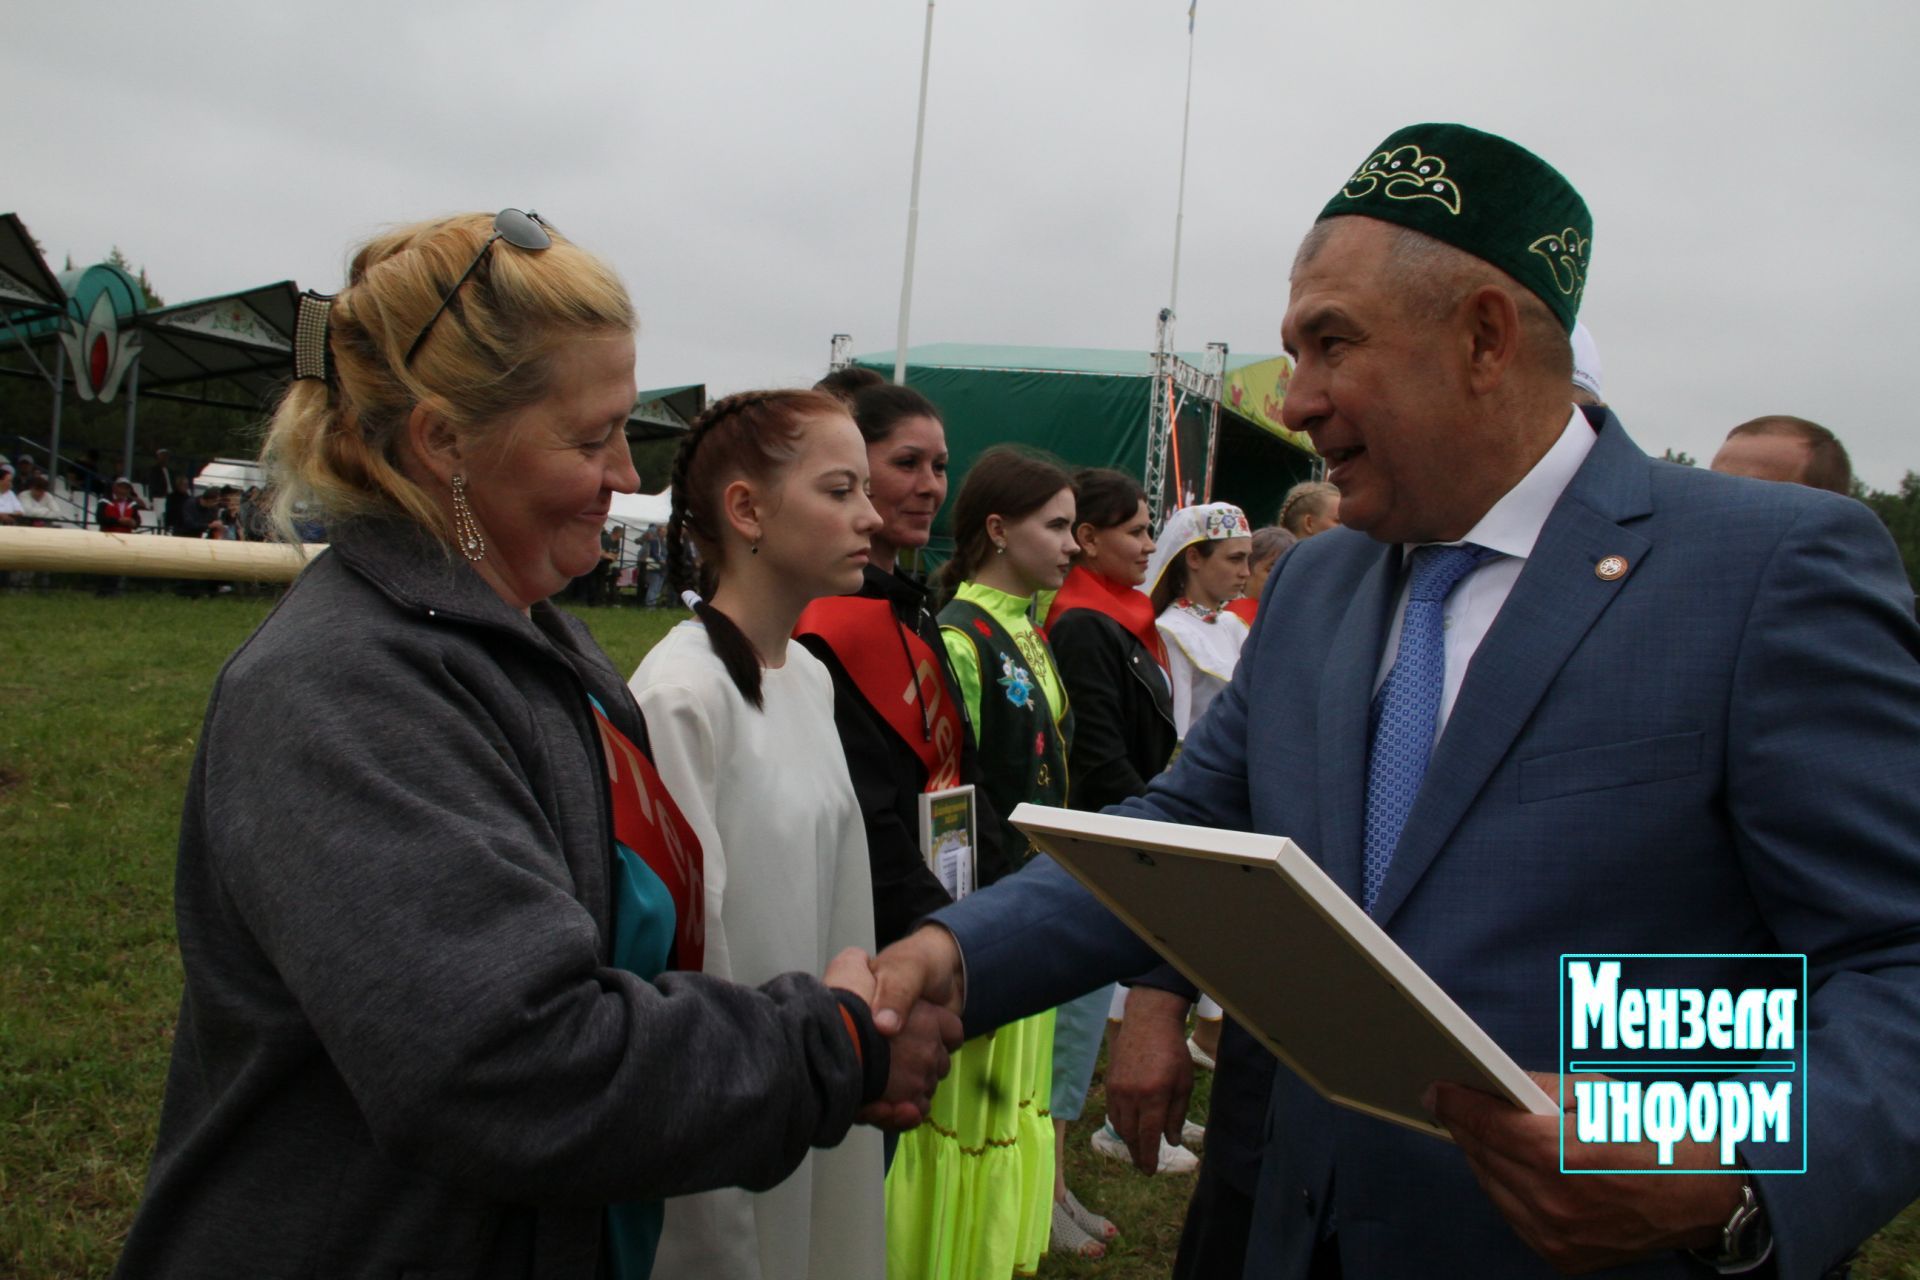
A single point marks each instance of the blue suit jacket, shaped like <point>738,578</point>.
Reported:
<point>1718,752</point>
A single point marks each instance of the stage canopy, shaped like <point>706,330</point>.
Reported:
<point>1090,407</point>
<point>665,412</point>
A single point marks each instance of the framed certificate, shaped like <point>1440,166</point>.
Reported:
<point>1254,923</point>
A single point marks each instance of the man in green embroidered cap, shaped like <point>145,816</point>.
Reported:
<point>1559,698</point>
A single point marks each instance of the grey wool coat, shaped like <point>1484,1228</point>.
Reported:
<point>402,1050</point>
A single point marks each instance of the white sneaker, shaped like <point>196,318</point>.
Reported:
<point>1199,1055</point>
<point>1192,1135</point>
<point>1108,1142</point>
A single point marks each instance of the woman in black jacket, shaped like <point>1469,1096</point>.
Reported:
<point>1101,628</point>
<point>898,749</point>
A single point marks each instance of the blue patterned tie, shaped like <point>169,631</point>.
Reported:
<point>1407,707</point>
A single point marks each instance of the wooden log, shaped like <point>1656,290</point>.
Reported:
<point>150,556</point>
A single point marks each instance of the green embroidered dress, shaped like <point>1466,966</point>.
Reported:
<point>970,1194</point>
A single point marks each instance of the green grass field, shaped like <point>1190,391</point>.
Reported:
<point>103,703</point>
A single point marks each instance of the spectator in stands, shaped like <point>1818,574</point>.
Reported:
<point>256,517</point>
<point>120,511</point>
<point>653,564</point>
<point>173,509</point>
<point>1310,507</point>
<point>161,475</point>
<point>41,509</point>
<point>203,516</point>
<point>230,512</point>
<point>1781,447</point>
<point>10,509</point>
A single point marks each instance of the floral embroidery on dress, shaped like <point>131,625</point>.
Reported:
<point>1016,680</point>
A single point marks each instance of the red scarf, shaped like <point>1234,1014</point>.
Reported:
<point>1243,608</point>
<point>873,647</point>
<point>1126,605</point>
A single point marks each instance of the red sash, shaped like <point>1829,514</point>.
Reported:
<point>647,821</point>
<point>1242,608</point>
<point>1128,606</point>
<point>866,637</point>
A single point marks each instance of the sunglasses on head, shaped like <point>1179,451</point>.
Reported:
<point>521,230</point>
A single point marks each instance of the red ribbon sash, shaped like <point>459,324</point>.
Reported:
<point>1128,606</point>
<point>647,821</point>
<point>866,637</point>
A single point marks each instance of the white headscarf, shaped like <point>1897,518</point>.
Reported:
<point>1208,522</point>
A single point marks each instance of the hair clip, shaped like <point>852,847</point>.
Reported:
<point>311,356</point>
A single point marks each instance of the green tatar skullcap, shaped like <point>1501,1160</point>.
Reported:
<point>1480,193</point>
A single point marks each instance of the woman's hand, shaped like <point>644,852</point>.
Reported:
<point>920,1051</point>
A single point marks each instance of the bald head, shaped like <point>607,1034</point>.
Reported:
<point>1790,450</point>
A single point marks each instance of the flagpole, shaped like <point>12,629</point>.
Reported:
<point>913,205</point>
<point>1180,211</point>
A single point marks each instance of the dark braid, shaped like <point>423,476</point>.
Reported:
<point>764,426</point>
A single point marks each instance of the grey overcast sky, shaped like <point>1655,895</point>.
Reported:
<point>745,163</point>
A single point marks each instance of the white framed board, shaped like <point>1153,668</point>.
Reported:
<point>1253,922</point>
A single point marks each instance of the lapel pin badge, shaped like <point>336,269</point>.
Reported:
<point>1611,569</point>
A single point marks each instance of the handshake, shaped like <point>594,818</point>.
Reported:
<point>915,991</point>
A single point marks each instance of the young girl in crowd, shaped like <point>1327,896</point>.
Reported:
<point>1198,569</point>
<point>1310,507</point>
<point>771,488</point>
<point>1270,542</point>
<point>1013,538</point>
<point>1114,664</point>
<point>1199,566</point>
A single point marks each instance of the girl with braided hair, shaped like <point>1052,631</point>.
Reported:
<point>1310,507</point>
<point>771,488</point>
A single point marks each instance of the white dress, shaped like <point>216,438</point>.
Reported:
<point>788,886</point>
<point>1200,659</point>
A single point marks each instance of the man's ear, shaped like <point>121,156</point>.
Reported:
<point>433,444</point>
<point>740,504</point>
<point>1492,321</point>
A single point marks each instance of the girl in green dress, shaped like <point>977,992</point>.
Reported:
<point>971,1191</point>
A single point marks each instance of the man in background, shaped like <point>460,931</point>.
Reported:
<point>1781,447</point>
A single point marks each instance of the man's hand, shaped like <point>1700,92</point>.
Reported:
<point>924,965</point>
<point>918,1053</point>
<point>1594,1220</point>
<point>1150,1074</point>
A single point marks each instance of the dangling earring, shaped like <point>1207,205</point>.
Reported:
<point>753,549</point>
<point>999,548</point>
<point>466,530</point>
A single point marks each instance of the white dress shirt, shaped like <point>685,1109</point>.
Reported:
<point>1510,527</point>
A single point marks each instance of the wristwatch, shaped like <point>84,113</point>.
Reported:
<point>1746,1242</point>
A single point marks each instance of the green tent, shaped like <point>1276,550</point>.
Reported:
<point>1091,408</point>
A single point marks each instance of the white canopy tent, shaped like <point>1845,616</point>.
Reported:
<point>640,509</point>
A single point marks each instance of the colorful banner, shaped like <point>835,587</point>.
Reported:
<point>1256,392</point>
